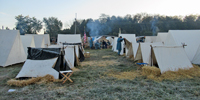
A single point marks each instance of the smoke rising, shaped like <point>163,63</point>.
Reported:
<point>96,28</point>
<point>154,28</point>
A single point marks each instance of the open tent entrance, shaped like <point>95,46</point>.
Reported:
<point>71,55</point>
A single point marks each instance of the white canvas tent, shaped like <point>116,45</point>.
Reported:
<point>27,41</point>
<point>189,37</point>
<point>196,59</point>
<point>38,68</point>
<point>11,48</point>
<point>39,41</point>
<point>69,55</point>
<point>130,37</point>
<point>144,52</point>
<point>150,39</point>
<point>161,37</point>
<point>170,58</point>
<point>114,47</point>
<point>46,39</point>
<point>135,48</point>
<point>70,38</point>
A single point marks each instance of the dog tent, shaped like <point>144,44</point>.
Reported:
<point>130,37</point>
<point>27,41</point>
<point>161,37</point>
<point>39,41</point>
<point>187,37</point>
<point>170,58</point>
<point>39,59</point>
<point>144,52</point>
<point>150,39</point>
<point>46,39</point>
<point>38,68</point>
<point>11,48</point>
<point>114,47</point>
<point>71,56</point>
<point>135,48</point>
<point>70,38</point>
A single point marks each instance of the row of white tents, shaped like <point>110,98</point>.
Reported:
<point>169,51</point>
<point>13,50</point>
<point>13,47</point>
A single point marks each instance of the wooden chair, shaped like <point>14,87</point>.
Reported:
<point>66,75</point>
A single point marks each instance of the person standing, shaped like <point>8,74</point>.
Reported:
<point>91,43</point>
<point>119,47</point>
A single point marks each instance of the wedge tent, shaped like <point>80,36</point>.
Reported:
<point>38,68</point>
<point>144,52</point>
<point>170,58</point>
<point>43,61</point>
<point>70,38</point>
<point>187,37</point>
<point>39,41</point>
<point>11,48</point>
<point>114,47</point>
<point>46,39</point>
<point>150,39</point>
<point>130,37</point>
<point>27,41</point>
<point>161,37</point>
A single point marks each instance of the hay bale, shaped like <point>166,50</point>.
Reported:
<point>39,80</point>
<point>130,75</point>
<point>150,70</point>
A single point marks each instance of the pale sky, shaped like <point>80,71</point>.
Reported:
<point>65,10</point>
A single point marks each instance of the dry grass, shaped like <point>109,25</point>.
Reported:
<point>130,75</point>
<point>75,69</point>
<point>106,57</point>
<point>153,73</point>
<point>39,80</point>
<point>100,63</point>
<point>150,70</point>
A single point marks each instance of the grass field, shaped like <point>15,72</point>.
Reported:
<point>93,81</point>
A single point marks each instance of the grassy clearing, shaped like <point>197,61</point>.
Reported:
<point>102,77</point>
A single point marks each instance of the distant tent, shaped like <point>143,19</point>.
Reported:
<point>70,38</point>
<point>114,47</point>
<point>170,58</point>
<point>11,48</point>
<point>144,52</point>
<point>27,41</point>
<point>131,38</point>
<point>150,39</point>
<point>188,37</point>
<point>42,61</point>
<point>46,40</point>
<point>100,39</point>
<point>39,41</point>
<point>161,37</point>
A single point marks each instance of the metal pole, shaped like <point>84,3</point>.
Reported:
<point>75,23</point>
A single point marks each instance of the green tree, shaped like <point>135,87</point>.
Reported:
<point>53,26</point>
<point>27,25</point>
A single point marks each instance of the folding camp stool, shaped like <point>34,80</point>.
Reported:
<point>66,75</point>
<point>140,65</point>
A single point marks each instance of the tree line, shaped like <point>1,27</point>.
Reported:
<point>141,24</point>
